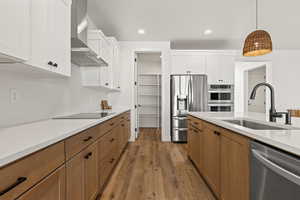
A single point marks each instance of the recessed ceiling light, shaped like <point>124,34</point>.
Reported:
<point>141,31</point>
<point>208,32</point>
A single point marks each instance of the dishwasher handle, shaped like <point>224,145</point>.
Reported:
<point>276,168</point>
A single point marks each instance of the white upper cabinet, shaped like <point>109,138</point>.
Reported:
<point>184,62</point>
<point>108,50</point>
<point>15,30</point>
<point>99,43</point>
<point>220,68</point>
<point>115,62</point>
<point>51,35</point>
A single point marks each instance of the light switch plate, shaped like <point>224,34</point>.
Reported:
<point>14,96</point>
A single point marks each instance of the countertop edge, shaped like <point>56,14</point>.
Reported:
<point>11,158</point>
<point>282,146</point>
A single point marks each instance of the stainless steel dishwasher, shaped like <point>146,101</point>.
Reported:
<point>275,175</point>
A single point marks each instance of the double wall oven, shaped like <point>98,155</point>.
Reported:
<point>220,98</point>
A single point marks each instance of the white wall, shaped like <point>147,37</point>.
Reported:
<point>41,98</point>
<point>126,97</point>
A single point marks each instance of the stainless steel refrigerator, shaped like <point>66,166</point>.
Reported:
<point>188,94</point>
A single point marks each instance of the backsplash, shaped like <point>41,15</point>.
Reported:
<point>26,98</point>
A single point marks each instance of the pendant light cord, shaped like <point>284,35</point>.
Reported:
<point>256,14</point>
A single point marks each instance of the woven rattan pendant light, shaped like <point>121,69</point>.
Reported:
<point>258,42</point>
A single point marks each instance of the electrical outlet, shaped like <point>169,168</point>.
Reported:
<point>14,96</point>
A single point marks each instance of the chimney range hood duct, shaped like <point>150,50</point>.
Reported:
<point>81,54</point>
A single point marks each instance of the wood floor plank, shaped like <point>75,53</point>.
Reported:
<point>153,170</point>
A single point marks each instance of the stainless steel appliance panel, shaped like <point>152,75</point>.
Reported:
<point>197,99</point>
<point>179,122</point>
<point>179,134</point>
<point>188,93</point>
<point>179,95</point>
<point>221,94</point>
<point>220,107</point>
<point>275,175</point>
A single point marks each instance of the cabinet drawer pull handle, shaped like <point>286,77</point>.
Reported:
<point>112,160</point>
<point>217,133</point>
<point>87,139</point>
<point>123,125</point>
<point>50,63</point>
<point>87,156</point>
<point>196,123</point>
<point>111,124</point>
<point>9,188</point>
<point>112,139</point>
<point>55,65</point>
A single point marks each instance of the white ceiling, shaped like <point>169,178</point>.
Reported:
<point>185,20</point>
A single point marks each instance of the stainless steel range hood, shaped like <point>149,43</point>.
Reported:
<point>81,54</point>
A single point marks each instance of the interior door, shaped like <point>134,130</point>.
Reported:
<point>136,100</point>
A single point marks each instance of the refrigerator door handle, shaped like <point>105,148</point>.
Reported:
<point>190,94</point>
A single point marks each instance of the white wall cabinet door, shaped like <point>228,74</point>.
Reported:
<point>227,70</point>
<point>15,30</point>
<point>50,33</point>
<point>59,34</point>
<point>182,64</point>
<point>212,69</point>
<point>220,69</point>
<point>99,76</point>
<point>117,67</point>
<point>115,63</point>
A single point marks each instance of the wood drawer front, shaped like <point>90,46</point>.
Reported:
<point>78,142</point>
<point>107,144</point>
<point>197,123</point>
<point>127,115</point>
<point>28,171</point>
<point>123,116</point>
<point>242,140</point>
<point>52,187</point>
<point>106,166</point>
<point>82,175</point>
<point>108,125</point>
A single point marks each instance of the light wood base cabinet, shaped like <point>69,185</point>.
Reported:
<point>234,167</point>
<point>211,157</point>
<point>76,168</point>
<point>82,179</point>
<point>194,145</point>
<point>51,188</point>
<point>222,158</point>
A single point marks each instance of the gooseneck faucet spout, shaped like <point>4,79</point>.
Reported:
<point>253,94</point>
<point>273,114</point>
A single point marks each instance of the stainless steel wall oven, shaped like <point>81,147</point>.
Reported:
<point>220,98</point>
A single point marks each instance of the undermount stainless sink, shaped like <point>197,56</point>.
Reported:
<point>254,125</point>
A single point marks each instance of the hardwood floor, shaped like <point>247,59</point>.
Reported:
<point>153,170</point>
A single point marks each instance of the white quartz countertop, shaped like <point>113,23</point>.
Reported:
<point>19,141</point>
<point>287,140</point>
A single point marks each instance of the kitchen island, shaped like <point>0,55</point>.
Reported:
<point>222,149</point>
